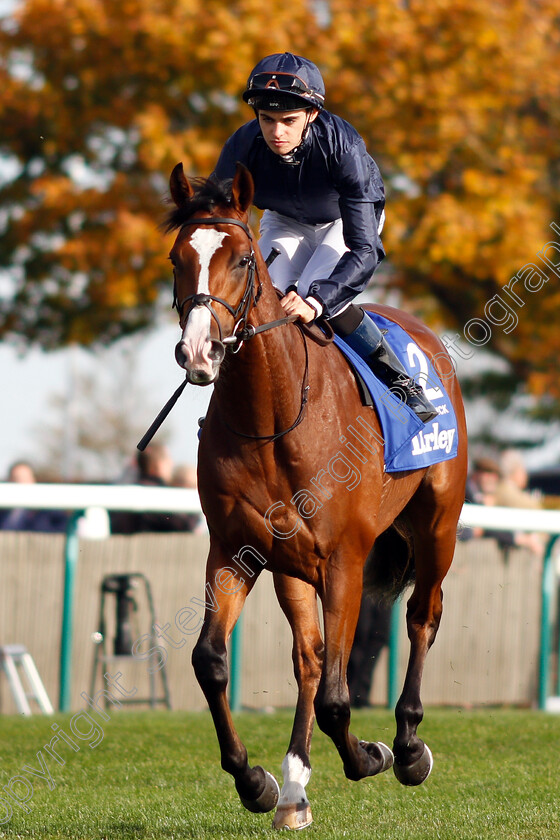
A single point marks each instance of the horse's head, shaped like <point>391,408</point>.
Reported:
<point>214,268</point>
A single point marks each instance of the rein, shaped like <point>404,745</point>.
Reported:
<point>303,404</point>
<point>207,300</point>
<point>242,332</point>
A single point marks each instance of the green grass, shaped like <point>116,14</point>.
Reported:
<point>157,775</point>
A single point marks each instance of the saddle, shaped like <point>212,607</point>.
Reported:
<point>408,443</point>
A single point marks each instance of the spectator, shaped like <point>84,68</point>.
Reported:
<point>155,469</point>
<point>512,492</point>
<point>503,485</point>
<point>372,635</point>
<point>185,475</point>
<point>481,490</point>
<point>21,519</point>
<point>21,473</point>
<point>155,466</point>
<point>512,488</point>
<point>482,482</point>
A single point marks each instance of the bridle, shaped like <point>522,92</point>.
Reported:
<point>242,331</point>
<point>241,311</point>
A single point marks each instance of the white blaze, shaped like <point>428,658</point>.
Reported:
<point>205,242</point>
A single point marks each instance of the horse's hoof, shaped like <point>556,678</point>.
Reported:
<point>415,774</point>
<point>387,757</point>
<point>293,816</point>
<point>293,809</point>
<point>267,799</point>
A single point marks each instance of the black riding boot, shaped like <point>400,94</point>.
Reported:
<point>368,341</point>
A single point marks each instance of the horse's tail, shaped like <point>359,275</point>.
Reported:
<point>389,568</point>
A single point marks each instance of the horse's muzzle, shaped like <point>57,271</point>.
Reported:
<point>199,373</point>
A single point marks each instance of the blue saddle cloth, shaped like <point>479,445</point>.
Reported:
<point>409,443</point>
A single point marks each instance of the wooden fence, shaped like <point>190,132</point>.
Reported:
<point>487,650</point>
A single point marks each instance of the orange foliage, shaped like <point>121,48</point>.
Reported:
<point>457,101</point>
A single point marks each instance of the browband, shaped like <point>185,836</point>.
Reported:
<point>218,220</point>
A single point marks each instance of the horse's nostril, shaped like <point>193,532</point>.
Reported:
<point>217,351</point>
<point>180,355</point>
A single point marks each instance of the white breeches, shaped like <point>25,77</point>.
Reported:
<point>307,252</point>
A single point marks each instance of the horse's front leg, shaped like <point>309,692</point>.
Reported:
<point>299,603</point>
<point>226,591</point>
<point>341,597</point>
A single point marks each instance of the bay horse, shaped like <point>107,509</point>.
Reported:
<point>282,406</point>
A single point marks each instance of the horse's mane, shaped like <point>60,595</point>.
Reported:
<point>208,194</point>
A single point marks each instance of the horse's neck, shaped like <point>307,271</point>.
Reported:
<point>278,348</point>
<point>261,384</point>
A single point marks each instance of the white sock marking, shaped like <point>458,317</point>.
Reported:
<point>296,776</point>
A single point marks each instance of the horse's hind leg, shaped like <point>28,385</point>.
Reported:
<point>434,544</point>
<point>299,603</point>
<point>226,591</point>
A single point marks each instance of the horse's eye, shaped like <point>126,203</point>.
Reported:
<point>244,261</point>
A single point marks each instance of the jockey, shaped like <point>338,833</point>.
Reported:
<point>323,202</point>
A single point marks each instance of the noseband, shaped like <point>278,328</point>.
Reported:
<point>241,332</point>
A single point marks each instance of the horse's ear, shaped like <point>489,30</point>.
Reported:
<point>242,189</point>
<point>179,185</point>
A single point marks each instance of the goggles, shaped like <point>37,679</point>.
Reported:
<point>286,82</point>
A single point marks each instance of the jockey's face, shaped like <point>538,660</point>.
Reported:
<point>282,130</point>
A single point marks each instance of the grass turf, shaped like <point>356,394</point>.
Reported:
<point>158,775</point>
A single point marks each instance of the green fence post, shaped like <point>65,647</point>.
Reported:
<point>393,669</point>
<point>236,665</point>
<point>71,549</point>
<point>547,592</point>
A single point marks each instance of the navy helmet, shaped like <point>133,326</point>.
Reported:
<point>285,82</point>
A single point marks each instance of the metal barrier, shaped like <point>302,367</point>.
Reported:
<point>79,498</point>
<point>539,521</point>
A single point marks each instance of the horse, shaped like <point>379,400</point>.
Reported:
<point>284,401</point>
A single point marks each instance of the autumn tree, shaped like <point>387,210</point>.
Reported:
<point>456,99</point>
<point>100,99</point>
